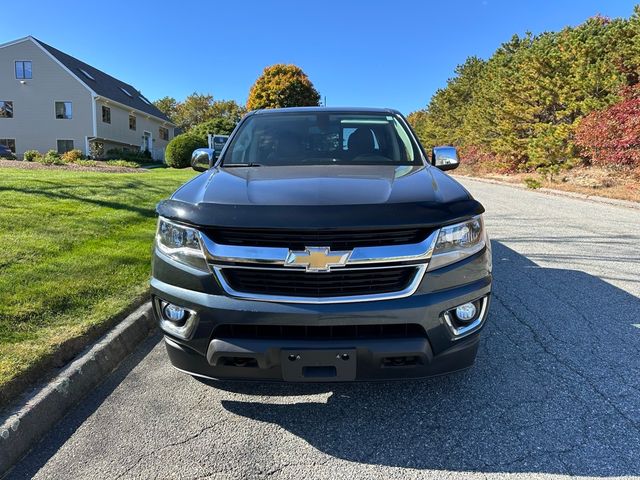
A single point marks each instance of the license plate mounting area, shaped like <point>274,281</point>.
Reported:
<point>324,365</point>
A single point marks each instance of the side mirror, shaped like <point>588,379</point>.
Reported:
<point>445,158</point>
<point>203,159</point>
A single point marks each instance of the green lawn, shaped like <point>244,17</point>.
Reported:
<point>75,247</point>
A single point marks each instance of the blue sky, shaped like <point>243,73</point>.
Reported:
<point>359,53</point>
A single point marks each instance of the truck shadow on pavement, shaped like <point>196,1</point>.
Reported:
<point>555,389</point>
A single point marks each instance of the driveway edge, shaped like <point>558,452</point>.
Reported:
<point>559,193</point>
<point>23,426</point>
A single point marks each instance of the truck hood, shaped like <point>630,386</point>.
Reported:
<point>319,196</point>
<point>320,185</point>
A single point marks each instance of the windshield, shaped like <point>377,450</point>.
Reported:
<point>321,139</point>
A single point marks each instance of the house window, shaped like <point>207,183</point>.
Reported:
<point>106,114</point>
<point>65,146</point>
<point>10,143</point>
<point>126,92</point>
<point>132,122</point>
<point>6,109</point>
<point>23,69</point>
<point>164,133</point>
<point>64,110</point>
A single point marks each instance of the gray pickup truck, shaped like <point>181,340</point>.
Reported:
<point>321,244</point>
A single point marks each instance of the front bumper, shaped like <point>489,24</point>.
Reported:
<point>434,353</point>
<point>371,359</point>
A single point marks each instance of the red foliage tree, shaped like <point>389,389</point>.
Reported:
<point>612,136</point>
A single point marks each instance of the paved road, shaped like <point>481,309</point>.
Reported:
<point>555,390</point>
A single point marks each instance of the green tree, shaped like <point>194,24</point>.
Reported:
<point>442,121</point>
<point>199,108</point>
<point>280,86</point>
<point>218,126</point>
<point>167,105</point>
<point>224,116</point>
<point>520,109</point>
<point>195,109</point>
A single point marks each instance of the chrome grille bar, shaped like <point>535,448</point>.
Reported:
<point>220,255</point>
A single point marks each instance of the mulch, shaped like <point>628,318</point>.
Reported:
<point>70,166</point>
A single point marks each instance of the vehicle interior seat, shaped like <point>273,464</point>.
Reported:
<point>361,143</point>
<point>287,149</point>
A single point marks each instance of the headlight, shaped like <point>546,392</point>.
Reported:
<point>180,243</point>
<point>458,241</point>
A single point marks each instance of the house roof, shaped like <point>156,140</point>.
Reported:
<point>105,85</point>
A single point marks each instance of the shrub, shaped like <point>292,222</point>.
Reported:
<point>611,137</point>
<point>50,160</point>
<point>123,163</point>
<point>52,157</point>
<point>532,183</point>
<point>179,150</point>
<point>86,163</point>
<point>32,155</point>
<point>550,171</point>
<point>72,156</point>
<point>96,149</point>
<point>129,155</point>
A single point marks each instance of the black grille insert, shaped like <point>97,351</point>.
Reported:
<point>339,283</point>
<point>320,332</point>
<point>299,239</point>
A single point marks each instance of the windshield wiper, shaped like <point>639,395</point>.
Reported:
<point>225,165</point>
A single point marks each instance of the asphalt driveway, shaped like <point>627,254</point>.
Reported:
<point>555,390</point>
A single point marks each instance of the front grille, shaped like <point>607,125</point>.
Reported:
<point>320,332</point>
<point>299,239</point>
<point>338,283</point>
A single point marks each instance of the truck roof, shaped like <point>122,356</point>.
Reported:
<point>268,111</point>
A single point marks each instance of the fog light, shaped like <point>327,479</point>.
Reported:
<point>177,321</point>
<point>174,313</point>
<point>466,312</point>
<point>467,318</point>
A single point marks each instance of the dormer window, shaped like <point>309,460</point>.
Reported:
<point>126,92</point>
<point>23,69</point>
<point>86,74</point>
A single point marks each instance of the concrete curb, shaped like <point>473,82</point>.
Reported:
<point>559,193</point>
<point>42,408</point>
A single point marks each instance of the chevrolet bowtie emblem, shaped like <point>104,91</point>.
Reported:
<point>317,259</point>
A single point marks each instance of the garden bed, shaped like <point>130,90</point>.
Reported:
<point>99,167</point>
